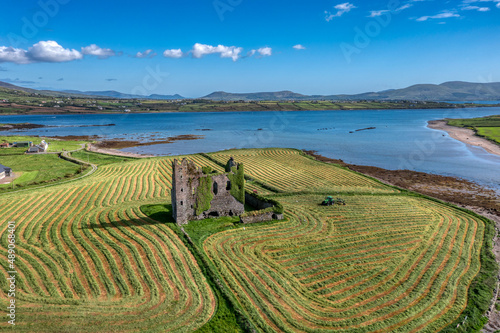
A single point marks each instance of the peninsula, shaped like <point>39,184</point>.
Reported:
<point>479,132</point>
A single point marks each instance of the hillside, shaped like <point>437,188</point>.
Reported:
<point>19,100</point>
<point>116,94</point>
<point>448,91</point>
<point>259,96</point>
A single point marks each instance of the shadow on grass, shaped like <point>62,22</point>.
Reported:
<point>161,214</point>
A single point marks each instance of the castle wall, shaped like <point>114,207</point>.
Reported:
<point>256,202</point>
<point>223,203</point>
<point>263,217</point>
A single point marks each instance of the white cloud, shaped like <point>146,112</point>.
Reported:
<point>438,16</point>
<point>200,50</point>
<point>342,8</point>
<point>403,7</point>
<point>148,53</point>
<point>51,51</point>
<point>479,9</point>
<point>98,52</point>
<point>299,47</point>
<point>265,51</point>
<point>497,2</point>
<point>174,53</point>
<point>375,13</point>
<point>10,54</point>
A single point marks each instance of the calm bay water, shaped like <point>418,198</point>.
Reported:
<point>400,140</point>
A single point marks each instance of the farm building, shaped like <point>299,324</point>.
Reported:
<point>5,171</point>
<point>41,148</point>
<point>23,144</point>
<point>4,145</point>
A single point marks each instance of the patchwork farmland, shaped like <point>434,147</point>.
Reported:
<point>88,259</point>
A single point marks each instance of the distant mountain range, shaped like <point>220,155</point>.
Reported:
<point>116,94</point>
<point>448,91</point>
<point>260,96</point>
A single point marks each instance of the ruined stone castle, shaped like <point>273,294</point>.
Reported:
<point>201,193</point>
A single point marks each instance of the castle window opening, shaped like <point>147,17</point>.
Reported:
<point>228,185</point>
<point>216,188</point>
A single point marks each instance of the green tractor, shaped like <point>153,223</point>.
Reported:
<point>329,201</point>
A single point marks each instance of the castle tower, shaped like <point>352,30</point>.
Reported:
<point>183,175</point>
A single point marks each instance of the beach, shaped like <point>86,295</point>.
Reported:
<point>115,152</point>
<point>465,135</point>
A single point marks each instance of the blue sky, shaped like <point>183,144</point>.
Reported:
<point>196,47</point>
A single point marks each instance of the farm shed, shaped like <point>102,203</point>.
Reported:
<point>34,149</point>
<point>23,144</point>
<point>4,171</point>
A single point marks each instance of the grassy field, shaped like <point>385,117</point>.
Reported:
<point>38,169</point>
<point>54,145</point>
<point>384,262</point>
<point>488,127</point>
<point>102,255</point>
<point>90,260</point>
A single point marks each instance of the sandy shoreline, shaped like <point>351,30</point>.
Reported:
<point>465,135</point>
<point>115,152</point>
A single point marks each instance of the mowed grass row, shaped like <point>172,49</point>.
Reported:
<point>89,260</point>
<point>289,171</point>
<point>378,264</point>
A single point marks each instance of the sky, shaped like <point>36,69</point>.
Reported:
<point>193,48</point>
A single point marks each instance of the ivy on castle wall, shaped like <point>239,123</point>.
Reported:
<point>204,195</point>
<point>237,179</point>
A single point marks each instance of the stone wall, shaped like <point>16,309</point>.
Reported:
<point>263,217</point>
<point>256,202</point>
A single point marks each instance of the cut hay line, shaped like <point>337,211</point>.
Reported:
<point>292,172</point>
<point>73,268</point>
<point>344,302</point>
<point>380,263</point>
